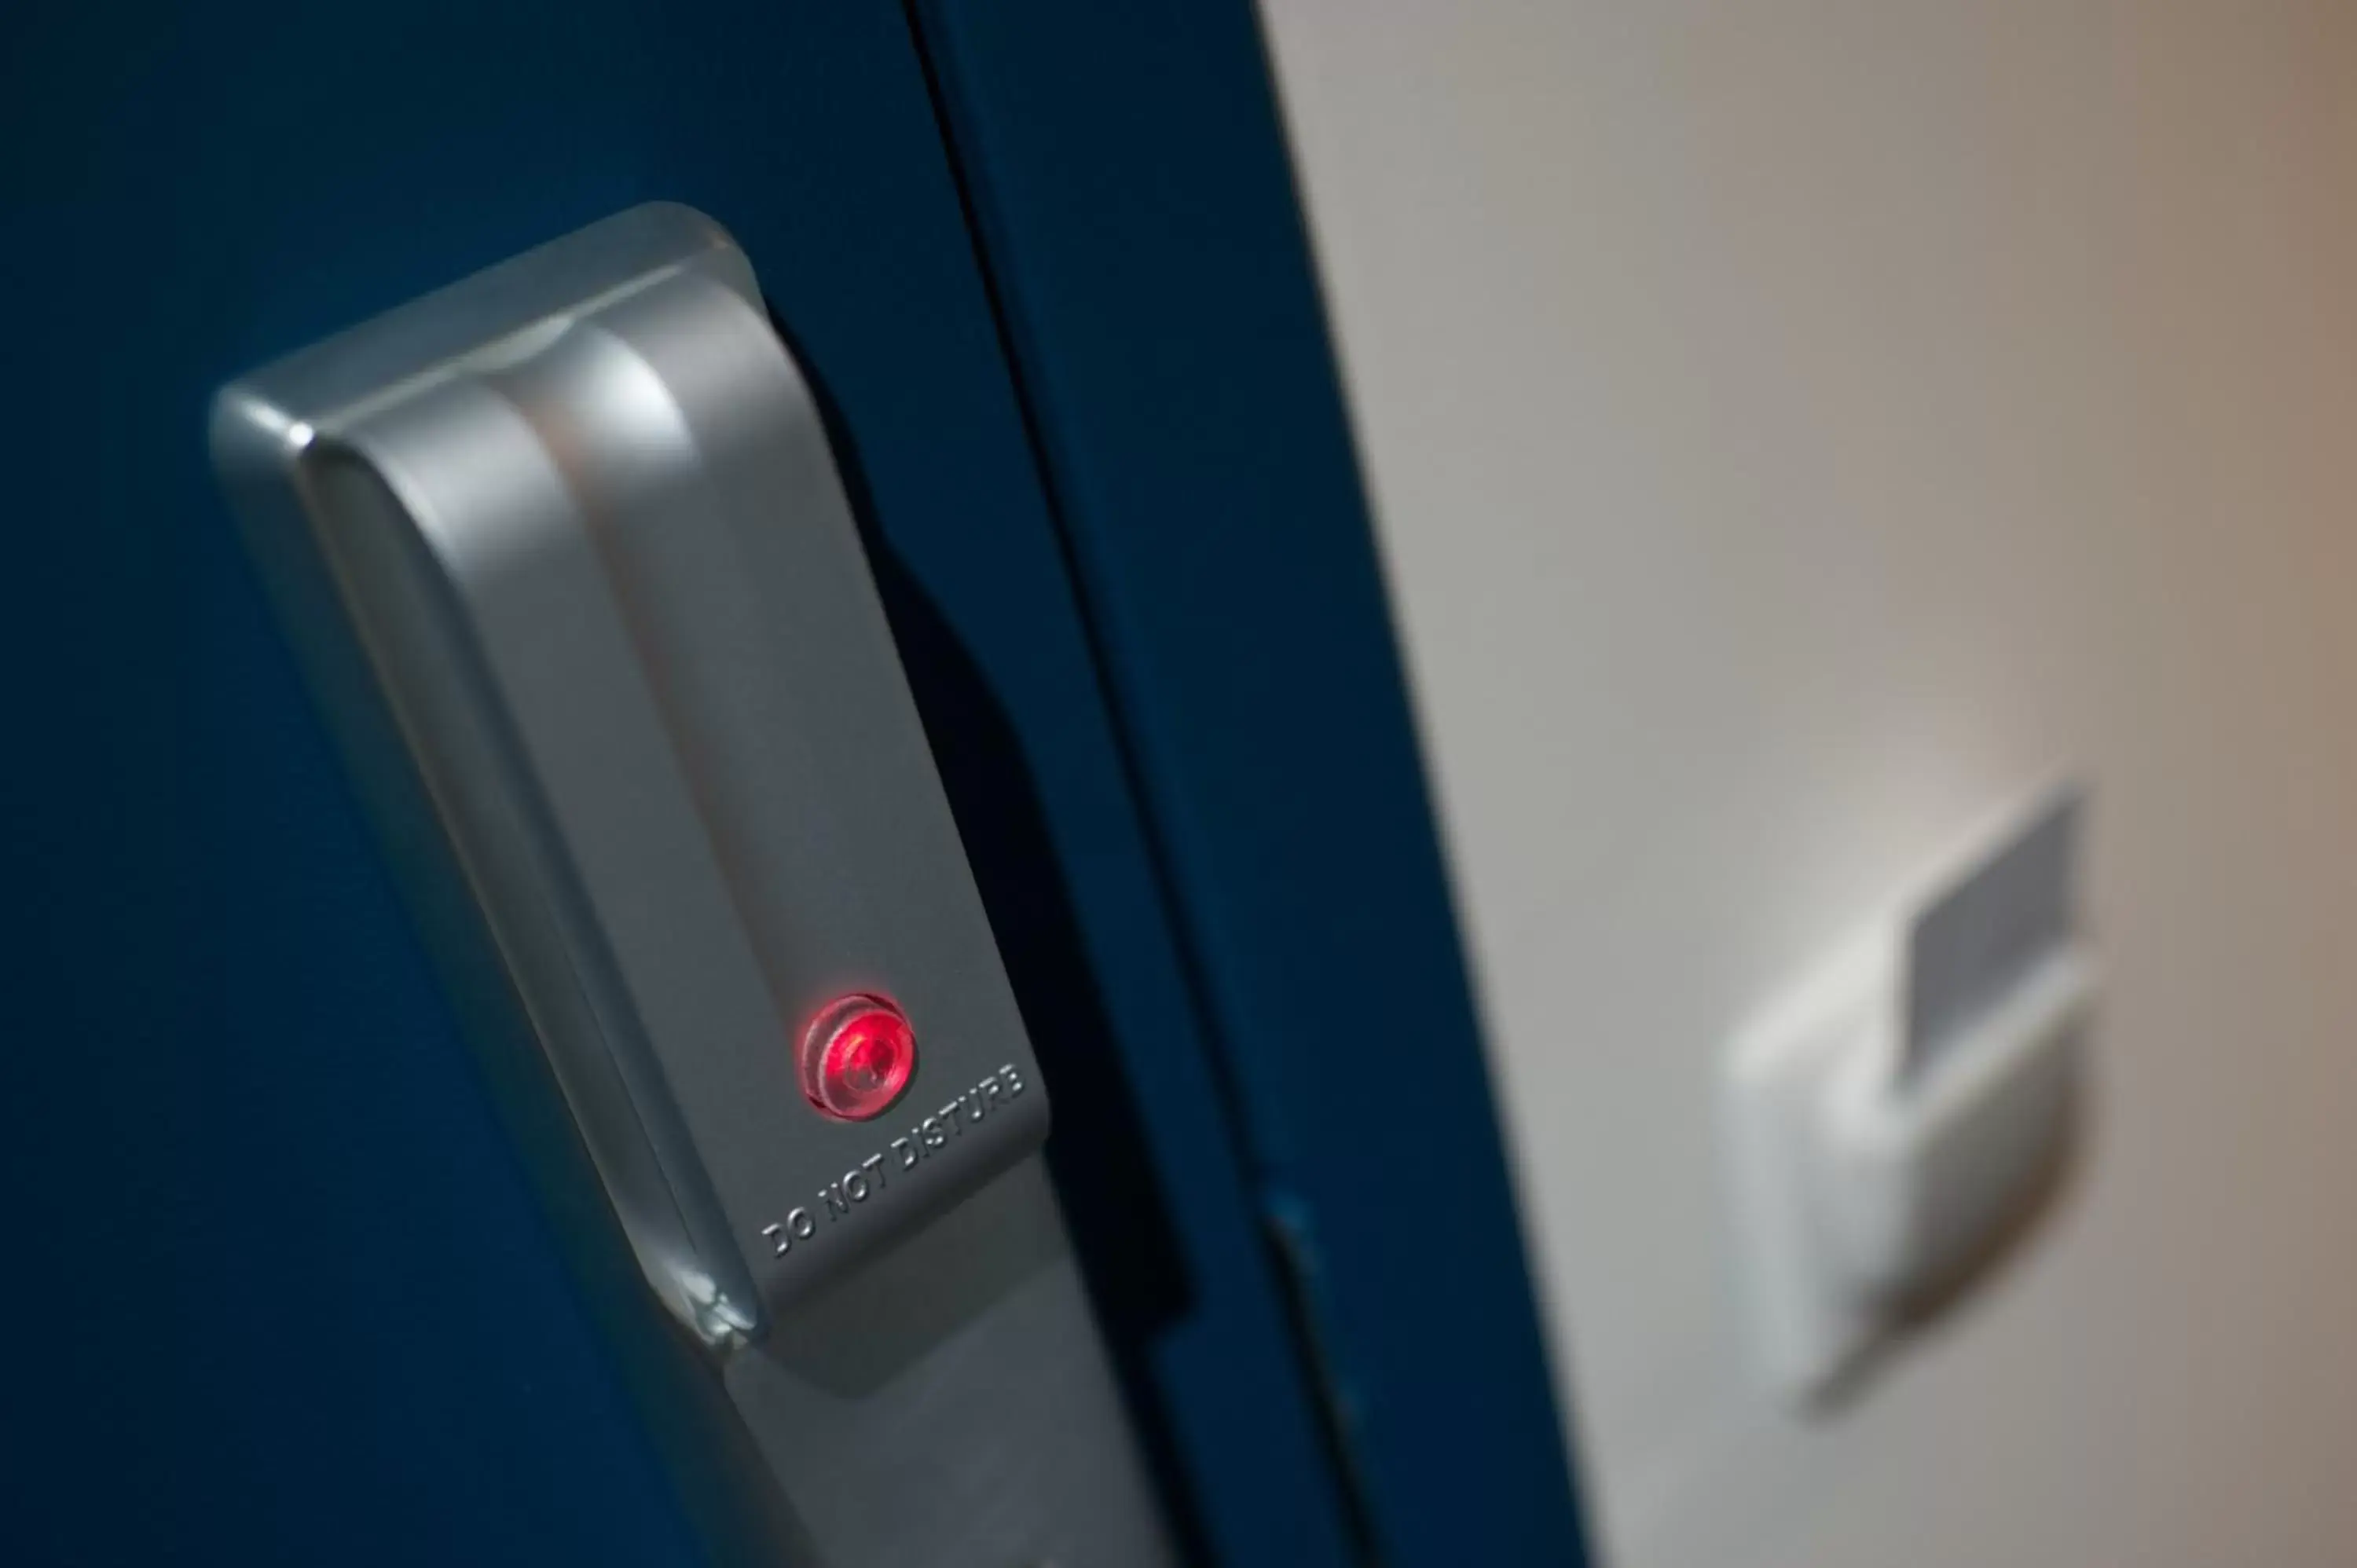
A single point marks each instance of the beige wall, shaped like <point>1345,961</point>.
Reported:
<point>1796,428</point>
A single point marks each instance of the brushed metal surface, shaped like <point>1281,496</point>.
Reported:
<point>570,531</point>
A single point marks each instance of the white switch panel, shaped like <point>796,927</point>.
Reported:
<point>1891,1116</point>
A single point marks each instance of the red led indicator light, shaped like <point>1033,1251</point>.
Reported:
<point>857,1056</point>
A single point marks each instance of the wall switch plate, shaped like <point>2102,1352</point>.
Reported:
<point>1891,1116</point>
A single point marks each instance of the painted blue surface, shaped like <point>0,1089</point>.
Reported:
<point>1142,236</point>
<point>285,1292</point>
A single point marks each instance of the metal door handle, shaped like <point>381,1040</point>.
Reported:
<point>569,538</point>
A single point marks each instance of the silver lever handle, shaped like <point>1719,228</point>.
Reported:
<point>567,538</point>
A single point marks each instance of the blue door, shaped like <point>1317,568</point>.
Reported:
<point>294,1280</point>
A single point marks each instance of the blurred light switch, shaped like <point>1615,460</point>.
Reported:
<point>1892,1117</point>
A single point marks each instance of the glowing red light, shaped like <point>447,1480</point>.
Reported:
<point>857,1056</point>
